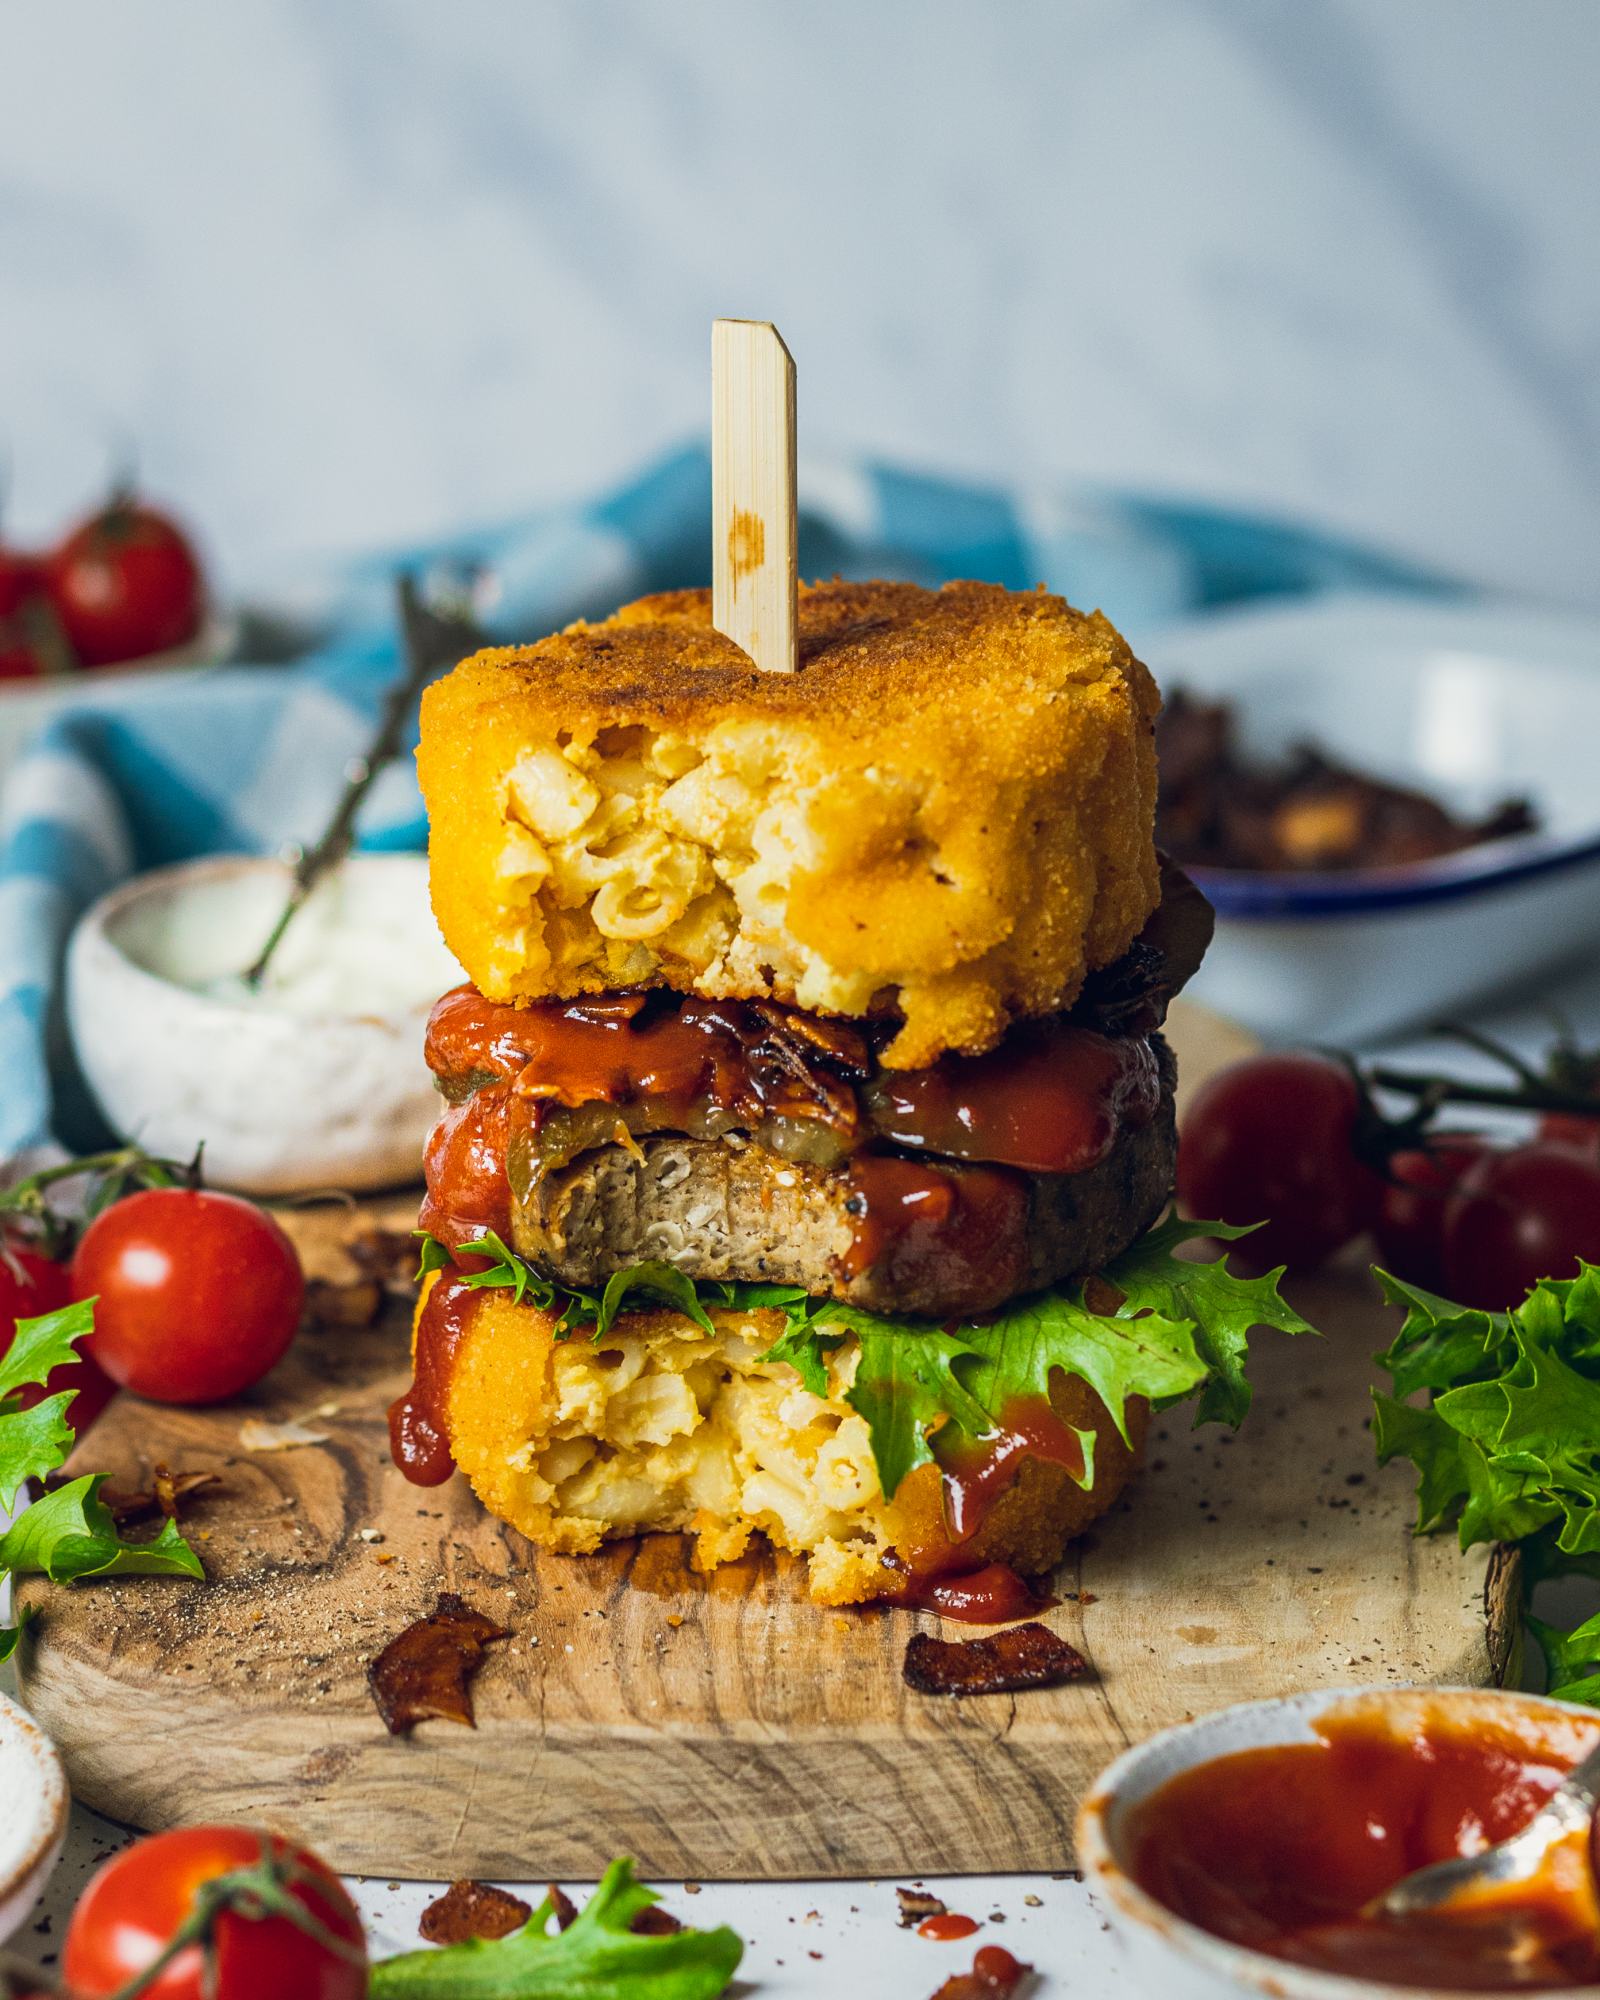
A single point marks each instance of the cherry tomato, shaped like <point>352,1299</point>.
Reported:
<point>1517,1217</point>
<point>140,1898</point>
<point>126,583</point>
<point>21,577</point>
<point>1409,1224</point>
<point>1272,1139</point>
<point>198,1293</point>
<point>30,1286</point>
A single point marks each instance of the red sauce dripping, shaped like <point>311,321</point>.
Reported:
<point>947,1926</point>
<point>465,1168</point>
<point>1282,1849</point>
<point>1050,1099</point>
<point>978,1470</point>
<point>961,1236</point>
<point>941,1576</point>
<point>751,1058</point>
<point>418,1441</point>
<point>993,1595</point>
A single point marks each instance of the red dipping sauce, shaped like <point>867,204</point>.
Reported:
<point>1282,1849</point>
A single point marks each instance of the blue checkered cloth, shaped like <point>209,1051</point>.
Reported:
<point>245,759</point>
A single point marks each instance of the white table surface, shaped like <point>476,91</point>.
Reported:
<point>842,1938</point>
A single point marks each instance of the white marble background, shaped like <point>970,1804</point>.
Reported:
<point>350,270</point>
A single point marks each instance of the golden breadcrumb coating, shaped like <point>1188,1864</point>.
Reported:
<point>662,1426</point>
<point>947,815</point>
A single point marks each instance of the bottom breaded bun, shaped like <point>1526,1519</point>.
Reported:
<point>661,1426</point>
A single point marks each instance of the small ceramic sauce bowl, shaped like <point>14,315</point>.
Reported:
<point>33,1817</point>
<point>316,1081</point>
<point>1172,1957</point>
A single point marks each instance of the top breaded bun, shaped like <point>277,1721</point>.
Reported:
<point>946,816</point>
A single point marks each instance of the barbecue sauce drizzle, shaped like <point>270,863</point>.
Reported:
<point>419,1440</point>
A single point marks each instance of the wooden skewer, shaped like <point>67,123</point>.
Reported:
<point>429,643</point>
<point>753,515</point>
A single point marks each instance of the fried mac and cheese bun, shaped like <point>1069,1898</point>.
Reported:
<point>945,818</point>
<point>660,1425</point>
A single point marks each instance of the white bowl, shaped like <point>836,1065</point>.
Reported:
<point>1471,702</point>
<point>329,1091</point>
<point>33,1816</point>
<point>1174,1957</point>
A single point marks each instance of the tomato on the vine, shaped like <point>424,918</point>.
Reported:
<point>1409,1225</point>
<point>198,1293</point>
<point>307,1943</point>
<point>1519,1216</point>
<point>126,583</point>
<point>1272,1139</point>
<point>31,1285</point>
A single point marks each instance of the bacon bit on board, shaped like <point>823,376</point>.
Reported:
<point>473,1910</point>
<point>424,1670</point>
<point>655,1922</point>
<point>353,1305</point>
<point>995,1975</point>
<point>1023,1656</point>
<point>915,1904</point>
<point>165,1500</point>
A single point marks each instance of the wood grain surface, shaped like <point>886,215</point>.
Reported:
<point>715,1726</point>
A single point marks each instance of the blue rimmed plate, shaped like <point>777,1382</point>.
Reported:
<point>1473,702</point>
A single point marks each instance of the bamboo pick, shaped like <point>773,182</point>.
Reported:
<point>753,515</point>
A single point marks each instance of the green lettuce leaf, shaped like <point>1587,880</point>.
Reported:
<point>1507,1441</point>
<point>1180,1329</point>
<point>1500,1415</point>
<point>34,1442</point>
<point>597,1958</point>
<point>1221,1308</point>
<point>70,1533</point>
<point>1571,1659</point>
<point>9,1635</point>
<point>595,1312</point>
<point>40,1345</point>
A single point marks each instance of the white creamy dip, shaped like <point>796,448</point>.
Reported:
<point>318,1079</point>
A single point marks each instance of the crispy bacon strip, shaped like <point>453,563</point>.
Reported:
<point>165,1500</point>
<point>423,1671</point>
<point>915,1904</point>
<point>1021,1657</point>
<point>651,1922</point>
<point>473,1910</point>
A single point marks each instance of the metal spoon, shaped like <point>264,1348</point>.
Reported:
<point>1431,1891</point>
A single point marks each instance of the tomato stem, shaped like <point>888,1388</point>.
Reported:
<point>1535,1094</point>
<point>257,1893</point>
<point>117,1169</point>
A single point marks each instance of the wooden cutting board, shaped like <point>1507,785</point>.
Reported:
<point>721,1726</point>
